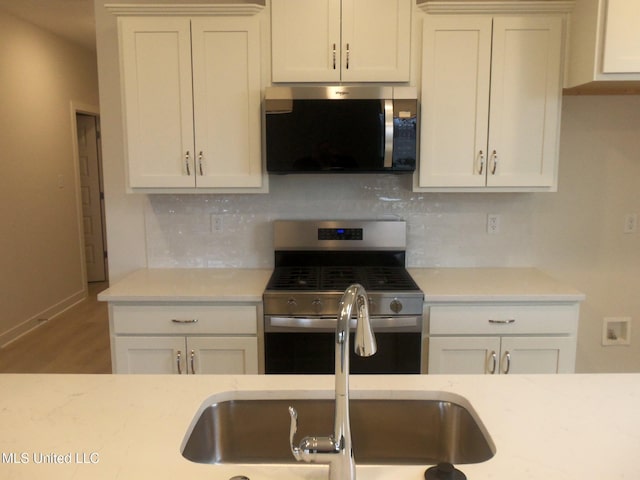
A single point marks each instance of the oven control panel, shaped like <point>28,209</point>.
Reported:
<point>340,234</point>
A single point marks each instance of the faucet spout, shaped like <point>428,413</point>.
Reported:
<point>336,449</point>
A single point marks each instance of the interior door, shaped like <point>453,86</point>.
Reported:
<point>91,194</point>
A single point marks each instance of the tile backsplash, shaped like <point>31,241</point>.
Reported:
<point>444,229</point>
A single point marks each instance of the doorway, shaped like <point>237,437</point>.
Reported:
<point>92,196</point>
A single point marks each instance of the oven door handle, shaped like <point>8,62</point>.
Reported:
<point>407,323</point>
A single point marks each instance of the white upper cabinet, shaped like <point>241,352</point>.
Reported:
<point>191,89</point>
<point>226,99</point>
<point>341,41</point>
<point>604,42</point>
<point>158,102</point>
<point>491,97</point>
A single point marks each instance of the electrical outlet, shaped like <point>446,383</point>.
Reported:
<point>217,223</point>
<point>630,223</point>
<point>493,224</point>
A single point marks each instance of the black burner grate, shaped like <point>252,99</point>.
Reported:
<point>338,278</point>
<point>294,278</point>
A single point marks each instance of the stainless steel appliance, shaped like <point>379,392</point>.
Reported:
<point>341,129</point>
<point>315,261</point>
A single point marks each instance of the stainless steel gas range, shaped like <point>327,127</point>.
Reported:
<point>315,261</point>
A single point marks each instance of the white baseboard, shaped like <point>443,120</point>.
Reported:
<point>50,313</point>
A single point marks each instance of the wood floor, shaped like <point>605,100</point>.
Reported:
<point>76,341</point>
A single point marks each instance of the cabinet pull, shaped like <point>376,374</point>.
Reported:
<point>481,159</point>
<point>178,357</point>
<point>494,162</point>
<point>187,160</point>
<point>508,321</point>
<point>348,52</point>
<point>191,361</point>
<point>494,362</point>
<point>185,321</point>
<point>507,357</point>
<point>200,163</point>
<point>334,56</point>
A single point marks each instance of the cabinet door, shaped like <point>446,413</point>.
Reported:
<point>376,40</point>
<point>305,40</point>
<point>162,355</point>
<point>464,355</point>
<point>621,52</point>
<point>158,110</point>
<point>226,86</point>
<point>538,355</point>
<point>218,355</point>
<point>455,101</point>
<point>526,92</point>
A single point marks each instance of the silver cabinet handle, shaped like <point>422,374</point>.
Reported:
<point>334,56</point>
<point>347,61</point>
<point>494,362</point>
<point>178,358</point>
<point>185,321</point>
<point>507,358</point>
<point>191,361</point>
<point>508,321</point>
<point>187,161</point>
<point>494,162</point>
<point>481,158</point>
<point>200,163</point>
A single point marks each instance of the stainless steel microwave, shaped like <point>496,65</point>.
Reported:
<point>341,129</point>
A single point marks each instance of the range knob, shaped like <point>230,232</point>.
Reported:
<point>395,305</point>
<point>291,304</point>
<point>316,304</point>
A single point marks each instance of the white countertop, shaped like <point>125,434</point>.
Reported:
<point>190,284</point>
<point>247,285</point>
<point>492,284</point>
<point>560,427</point>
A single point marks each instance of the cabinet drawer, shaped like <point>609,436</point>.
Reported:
<point>184,319</point>
<point>503,319</point>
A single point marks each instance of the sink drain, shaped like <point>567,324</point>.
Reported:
<point>239,477</point>
<point>444,471</point>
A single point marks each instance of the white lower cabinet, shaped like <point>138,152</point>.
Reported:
<point>501,355</point>
<point>184,339</point>
<point>187,355</point>
<point>502,339</point>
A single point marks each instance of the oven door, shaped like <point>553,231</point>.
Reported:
<point>306,345</point>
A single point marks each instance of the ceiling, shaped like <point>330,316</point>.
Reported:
<point>71,19</point>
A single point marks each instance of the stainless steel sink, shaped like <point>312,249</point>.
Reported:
<point>385,431</point>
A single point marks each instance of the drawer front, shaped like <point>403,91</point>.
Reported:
<point>184,319</point>
<point>505,319</point>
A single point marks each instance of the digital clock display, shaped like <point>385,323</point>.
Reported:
<point>340,234</point>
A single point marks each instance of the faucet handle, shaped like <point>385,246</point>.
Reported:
<point>292,432</point>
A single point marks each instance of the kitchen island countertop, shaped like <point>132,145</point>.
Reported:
<point>561,427</point>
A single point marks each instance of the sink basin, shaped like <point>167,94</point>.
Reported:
<point>398,431</point>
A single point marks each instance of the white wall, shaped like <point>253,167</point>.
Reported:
<point>40,242</point>
<point>574,234</point>
<point>578,232</point>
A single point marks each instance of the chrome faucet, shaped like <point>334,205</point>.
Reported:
<point>336,449</point>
